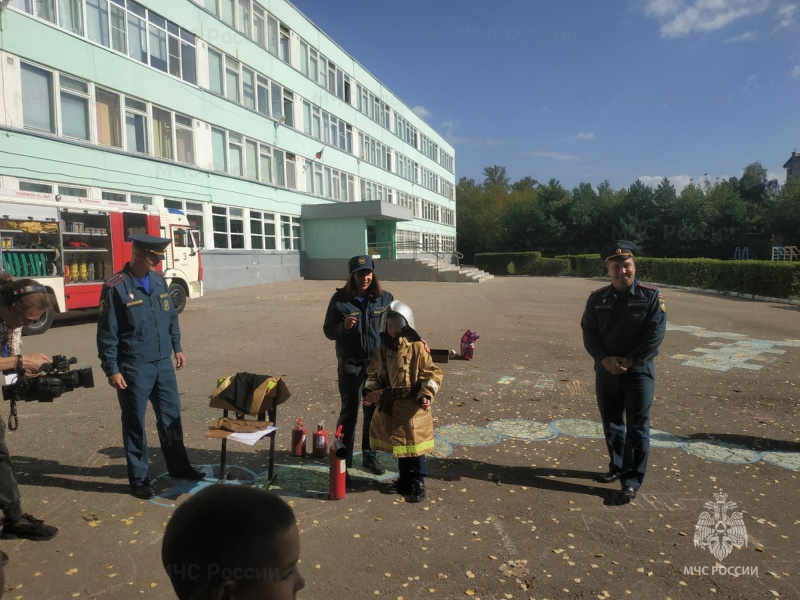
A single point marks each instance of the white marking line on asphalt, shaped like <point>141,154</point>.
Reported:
<point>507,543</point>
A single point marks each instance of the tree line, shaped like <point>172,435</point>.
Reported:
<point>706,219</point>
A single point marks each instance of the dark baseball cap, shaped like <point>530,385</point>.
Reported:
<point>359,263</point>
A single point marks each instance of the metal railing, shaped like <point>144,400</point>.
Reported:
<point>785,253</point>
<point>416,250</point>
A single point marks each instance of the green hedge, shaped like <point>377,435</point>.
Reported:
<point>759,277</point>
<point>521,263</point>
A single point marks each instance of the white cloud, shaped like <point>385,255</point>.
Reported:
<point>796,72</point>
<point>682,17</point>
<point>786,14</point>
<point>747,36</point>
<point>449,128</point>
<point>678,181</point>
<point>553,155</point>
<point>585,136</point>
<point>421,112</point>
<point>781,177</point>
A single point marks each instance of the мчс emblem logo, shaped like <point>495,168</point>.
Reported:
<point>718,531</point>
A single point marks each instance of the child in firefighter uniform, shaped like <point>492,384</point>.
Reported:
<point>403,381</point>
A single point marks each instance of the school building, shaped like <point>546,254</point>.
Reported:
<point>285,153</point>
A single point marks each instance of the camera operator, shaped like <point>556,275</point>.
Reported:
<point>22,301</point>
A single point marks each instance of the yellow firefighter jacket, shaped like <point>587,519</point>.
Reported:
<point>399,425</point>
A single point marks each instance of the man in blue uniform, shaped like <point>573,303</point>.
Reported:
<point>623,327</point>
<point>136,336</point>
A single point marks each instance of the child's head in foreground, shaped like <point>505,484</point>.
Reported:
<point>232,542</point>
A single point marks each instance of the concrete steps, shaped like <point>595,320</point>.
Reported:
<point>448,272</point>
<point>426,269</point>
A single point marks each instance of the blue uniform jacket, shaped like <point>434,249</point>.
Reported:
<point>355,347</point>
<point>133,326</point>
<point>631,324</point>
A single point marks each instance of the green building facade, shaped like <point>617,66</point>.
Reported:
<point>284,152</point>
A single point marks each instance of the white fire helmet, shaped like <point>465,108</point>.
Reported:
<point>400,308</point>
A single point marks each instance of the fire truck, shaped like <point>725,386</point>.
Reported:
<point>72,245</point>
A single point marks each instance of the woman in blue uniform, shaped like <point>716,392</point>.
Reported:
<point>352,320</point>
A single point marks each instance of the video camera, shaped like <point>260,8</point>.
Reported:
<point>55,379</point>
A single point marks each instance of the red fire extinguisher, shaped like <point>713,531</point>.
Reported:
<point>320,443</point>
<point>299,439</point>
<point>338,454</point>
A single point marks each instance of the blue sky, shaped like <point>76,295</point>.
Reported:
<point>584,90</point>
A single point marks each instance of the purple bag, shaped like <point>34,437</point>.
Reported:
<point>468,344</point>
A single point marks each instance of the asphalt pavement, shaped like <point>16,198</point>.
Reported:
<point>512,509</point>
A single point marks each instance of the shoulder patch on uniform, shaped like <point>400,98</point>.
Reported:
<point>114,280</point>
<point>662,304</point>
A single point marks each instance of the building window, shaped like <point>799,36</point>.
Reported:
<point>184,139</point>
<point>291,171</point>
<point>97,21</point>
<point>119,32</point>
<point>259,26</point>
<point>193,212</point>
<point>226,12</point>
<point>228,227</point>
<point>262,230</point>
<point>188,56</point>
<point>37,99</point>
<point>243,17</point>
<point>265,160</point>
<point>162,133</point>
<point>272,34</point>
<point>106,106</point>
<point>218,143</point>
<point>136,126</point>
<point>231,79</point>
<point>137,32</point>
<point>288,107</point>
<point>235,158</point>
<point>74,95</point>
<point>280,167</point>
<point>70,15</point>
<point>284,46</point>
<point>262,95</point>
<point>158,42</point>
<point>290,232</point>
<point>66,190</point>
<point>115,197</point>
<point>251,159</point>
<point>248,88</point>
<point>215,77</point>
<point>39,188</point>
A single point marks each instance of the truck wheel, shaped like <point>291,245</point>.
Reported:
<point>178,295</point>
<point>42,325</point>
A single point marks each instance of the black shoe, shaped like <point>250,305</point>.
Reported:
<point>143,491</point>
<point>417,491</point>
<point>397,487</point>
<point>28,528</point>
<point>373,465</point>
<point>4,558</point>
<point>609,477</point>
<point>190,474</point>
<point>621,497</point>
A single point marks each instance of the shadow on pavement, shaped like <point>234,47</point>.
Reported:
<point>750,442</point>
